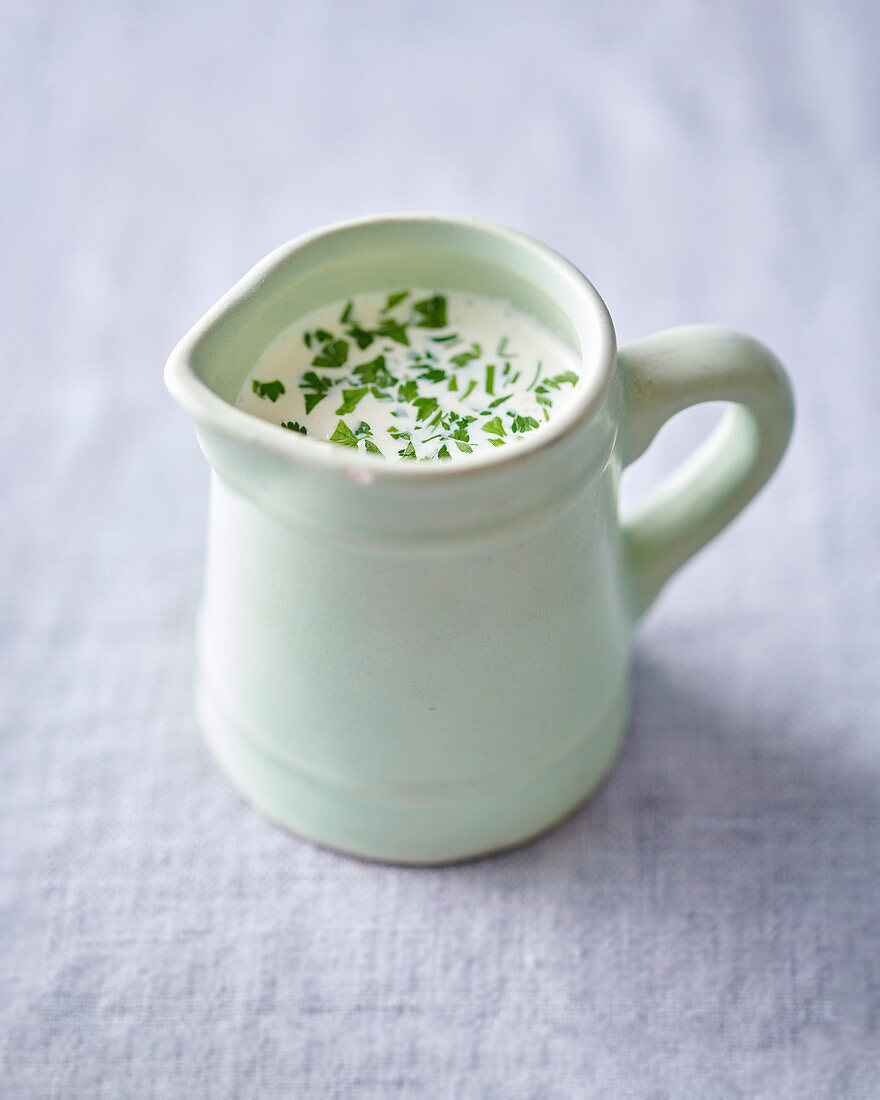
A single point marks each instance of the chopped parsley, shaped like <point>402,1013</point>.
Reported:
<point>405,354</point>
<point>333,354</point>
<point>272,390</point>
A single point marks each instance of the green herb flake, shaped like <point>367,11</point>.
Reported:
<point>465,357</point>
<point>361,336</point>
<point>444,452</point>
<point>463,446</point>
<point>408,452</point>
<point>494,426</point>
<point>375,373</point>
<point>561,379</point>
<point>314,389</point>
<point>350,399</point>
<point>307,339</point>
<point>523,423</point>
<point>371,447</point>
<point>395,299</point>
<point>472,385</point>
<point>427,406</point>
<point>346,313</point>
<point>323,335</point>
<point>271,390</point>
<point>333,354</point>
<point>294,426</point>
<point>344,435</point>
<point>434,374</point>
<point>499,401</point>
<point>394,330</point>
<point>433,311</point>
<point>535,379</point>
<point>409,391</point>
<point>490,379</point>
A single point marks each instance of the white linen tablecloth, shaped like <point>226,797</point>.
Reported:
<point>709,924</point>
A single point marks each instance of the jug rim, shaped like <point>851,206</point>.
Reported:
<point>591,322</point>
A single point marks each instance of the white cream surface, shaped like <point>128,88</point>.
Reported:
<point>414,374</point>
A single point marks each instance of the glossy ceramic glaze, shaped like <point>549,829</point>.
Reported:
<point>423,662</point>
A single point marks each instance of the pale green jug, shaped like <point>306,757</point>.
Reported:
<point>422,662</point>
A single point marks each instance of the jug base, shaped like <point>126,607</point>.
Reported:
<point>416,829</point>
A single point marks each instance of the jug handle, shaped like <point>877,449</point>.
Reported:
<point>665,373</point>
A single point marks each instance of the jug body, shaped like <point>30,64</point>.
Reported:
<point>417,698</point>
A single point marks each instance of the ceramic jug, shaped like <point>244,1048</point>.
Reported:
<point>425,661</point>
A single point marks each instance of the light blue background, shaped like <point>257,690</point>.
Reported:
<point>709,926</point>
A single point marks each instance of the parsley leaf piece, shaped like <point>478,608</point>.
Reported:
<point>464,357</point>
<point>344,435</point>
<point>350,399</point>
<point>445,339</point>
<point>333,354</point>
<point>307,339</point>
<point>497,442</point>
<point>433,311</point>
<point>375,373</point>
<point>346,313</point>
<point>559,379</point>
<point>535,379</point>
<point>409,391</point>
<point>371,447</point>
<point>408,452</point>
<point>499,401</point>
<point>434,374</point>
<point>523,423</point>
<point>490,379</point>
<point>462,446</point>
<point>444,452</point>
<point>472,385</point>
<point>294,426</point>
<point>323,335</point>
<point>394,330</point>
<point>453,383</point>
<point>394,299</point>
<point>361,336</point>
<point>494,426</point>
<point>427,406</point>
<point>314,388</point>
<point>272,390</point>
